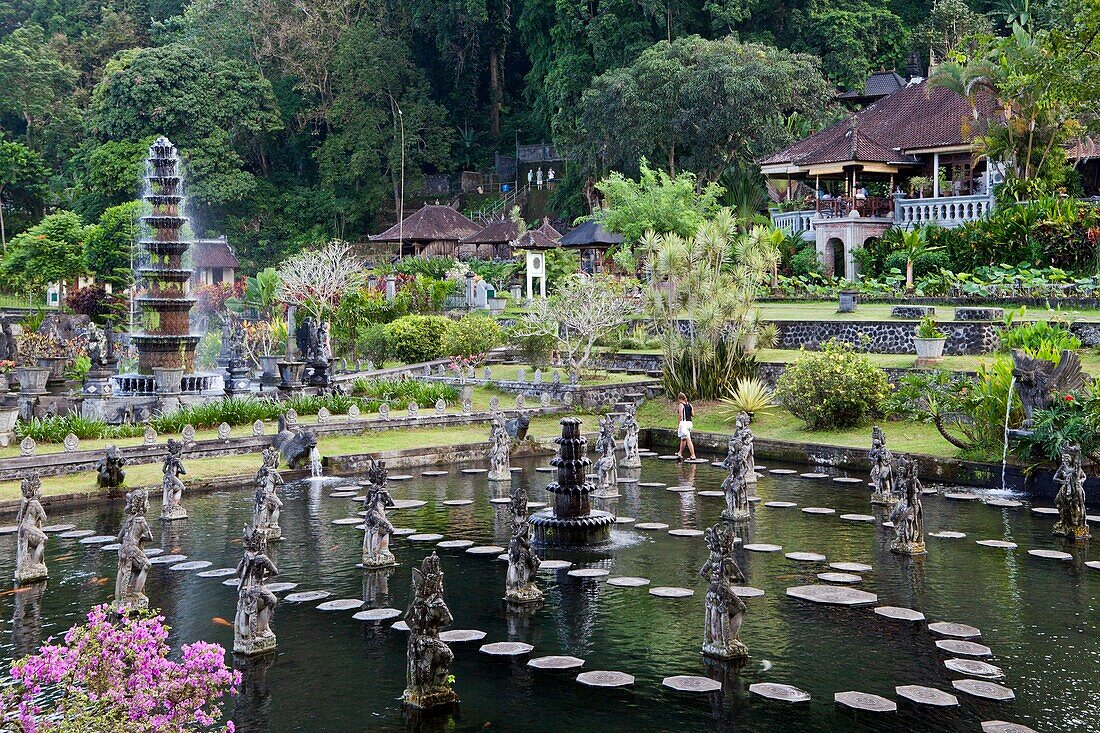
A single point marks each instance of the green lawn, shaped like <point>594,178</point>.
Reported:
<point>826,311</point>
<point>590,378</point>
<point>1090,360</point>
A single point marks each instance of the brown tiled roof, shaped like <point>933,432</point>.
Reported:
<point>207,253</point>
<point>590,234</point>
<point>499,231</point>
<point>878,84</point>
<point>1084,149</point>
<point>914,117</point>
<point>536,239</point>
<point>549,230</point>
<point>430,223</point>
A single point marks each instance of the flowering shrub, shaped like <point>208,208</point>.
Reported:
<point>33,346</point>
<point>418,338</point>
<point>836,387</point>
<point>108,677</point>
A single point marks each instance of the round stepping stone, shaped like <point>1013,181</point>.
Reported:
<point>1043,510</point>
<point>347,520</point>
<point>554,662</point>
<point>890,525</point>
<point>847,480</point>
<point>680,489</point>
<point>503,557</point>
<point>832,595</point>
<point>927,491</point>
<point>191,565</point>
<point>433,473</point>
<point>621,520</point>
<point>115,547</point>
<point>626,480</point>
<point>8,529</point>
<point>425,537</point>
<point>1006,503</point>
<point>686,532</point>
<point>555,565</point>
<point>153,552</point>
<point>718,464</point>
<point>857,517</point>
<point>1001,544</point>
<point>485,550</point>
<point>984,689</point>
<point>663,591</point>
<point>691,683</point>
<point>342,494</point>
<point>403,531</point>
<point>472,471</point>
<point>545,469</point>
<point>968,648</point>
<point>340,604</point>
<point>948,535</point>
<point>839,578</point>
<point>927,696</point>
<point>961,496</point>
<point>755,500</point>
<point>406,504</point>
<point>956,631</point>
<point>818,510</point>
<point>974,668</point>
<point>780,504</point>
<point>762,547</point>
<point>1000,726</point>
<point>814,475</point>
<point>458,502</point>
<point>399,477</point>
<point>696,460</point>
<point>378,614</point>
<point>651,525</point>
<point>233,582</point>
<point>536,504</point>
<point>745,591</point>
<point>307,596</point>
<point>516,469</point>
<point>99,539</point>
<point>166,559</point>
<point>865,701</point>
<point>506,649</point>
<point>588,573</point>
<point>1094,564</point>
<point>1050,554</point>
<point>455,544</point>
<point>281,587</point>
<point>628,581</point>
<point>783,693</point>
<point>805,557</point>
<point>782,471</point>
<point>218,573</point>
<point>501,500</point>
<point>850,567</point>
<point>652,484</point>
<point>458,636</point>
<point>897,613</point>
<point>73,534</point>
<point>1094,518</point>
<point>399,626</point>
<point>713,494</point>
<point>605,678</point>
<point>52,528</point>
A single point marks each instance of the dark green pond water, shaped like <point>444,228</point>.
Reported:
<point>335,674</point>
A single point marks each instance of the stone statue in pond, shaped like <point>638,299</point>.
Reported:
<point>376,540</point>
<point>172,485</point>
<point>735,487</point>
<point>631,457</point>
<point>607,471</point>
<point>500,449</point>
<point>295,445</point>
<point>725,611</point>
<point>133,564</point>
<point>266,505</point>
<point>252,632</point>
<point>523,563</point>
<point>882,469</point>
<point>30,542</point>
<point>109,471</point>
<point>1038,380</point>
<point>908,515</point>
<point>1070,500</point>
<point>429,659</point>
<point>741,450</point>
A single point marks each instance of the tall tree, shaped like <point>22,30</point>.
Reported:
<point>23,177</point>
<point>35,82</point>
<point>49,252</point>
<point>109,245</point>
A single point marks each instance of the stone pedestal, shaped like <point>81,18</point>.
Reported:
<point>908,548</point>
<point>571,520</point>
<point>30,572</point>
<point>290,375</point>
<point>8,416</point>
<point>426,698</point>
<point>239,380</point>
<point>270,375</point>
<point>255,645</point>
<point>32,380</point>
<point>1076,533</point>
<point>734,650</point>
<point>173,513</point>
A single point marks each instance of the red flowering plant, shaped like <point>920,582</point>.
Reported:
<point>1072,418</point>
<point>106,677</point>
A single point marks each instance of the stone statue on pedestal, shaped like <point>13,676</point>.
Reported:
<point>172,485</point>
<point>252,632</point>
<point>30,547</point>
<point>376,540</point>
<point>109,472</point>
<point>631,459</point>
<point>1070,500</point>
<point>523,563</point>
<point>741,450</point>
<point>735,486</point>
<point>908,515</point>
<point>133,564</point>
<point>267,506</point>
<point>500,449</point>
<point>606,465</point>
<point>428,674</point>
<point>882,469</point>
<point>725,611</point>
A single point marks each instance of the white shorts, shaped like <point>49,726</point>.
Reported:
<point>684,429</point>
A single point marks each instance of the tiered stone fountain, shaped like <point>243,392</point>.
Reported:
<point>571,520</point>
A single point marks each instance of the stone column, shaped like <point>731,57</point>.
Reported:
<point>470,289</point>
<point>391,287</point>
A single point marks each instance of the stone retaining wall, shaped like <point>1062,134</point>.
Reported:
<point>887,337</point>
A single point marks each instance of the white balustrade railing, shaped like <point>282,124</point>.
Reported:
<point>794,221</point>
<point>944,211</point>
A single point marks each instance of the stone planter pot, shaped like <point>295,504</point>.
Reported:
<point>270,366</point>
<point>497,305</point>
<point>847,301</point>
<point>929,348</point>
<point>32,380</point>
<point>56,365</point>
<point>8,416</point>
<point>168,380</point>
<point>290,374</point>
<point>4,386</point>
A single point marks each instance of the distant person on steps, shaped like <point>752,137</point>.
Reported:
<point>684,412</point>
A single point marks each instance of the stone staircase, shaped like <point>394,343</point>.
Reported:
<point>630,400</point>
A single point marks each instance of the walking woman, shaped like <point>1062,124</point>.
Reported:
<point>684,411</point>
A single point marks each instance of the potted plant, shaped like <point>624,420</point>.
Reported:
<point>7,366</point>
<point>929,342</point>
<point>918,185</point>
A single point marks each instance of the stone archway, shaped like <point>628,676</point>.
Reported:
<point>835,257</point>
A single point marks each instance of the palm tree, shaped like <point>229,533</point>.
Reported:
<point>914,243</point>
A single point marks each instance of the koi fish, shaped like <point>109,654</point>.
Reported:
<point>20,589</point>
<point>96,581</point>
<point>236,541</point>
<point>65,557</point>
<point>221,622</point>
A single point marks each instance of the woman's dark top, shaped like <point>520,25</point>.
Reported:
<point>687,411</point>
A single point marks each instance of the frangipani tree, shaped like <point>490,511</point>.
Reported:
<point>315,280</point>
